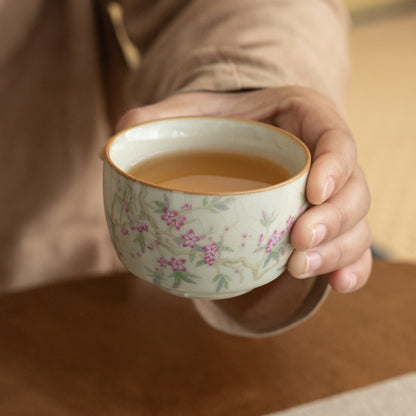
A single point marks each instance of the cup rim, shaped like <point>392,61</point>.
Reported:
<point>293,178</point>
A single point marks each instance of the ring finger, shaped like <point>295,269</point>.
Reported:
<point>341,251</point>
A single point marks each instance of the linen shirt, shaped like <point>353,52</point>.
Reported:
<point>64,83</point>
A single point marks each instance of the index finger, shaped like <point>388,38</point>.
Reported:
<point>333,161</point>
<point>334,152</point>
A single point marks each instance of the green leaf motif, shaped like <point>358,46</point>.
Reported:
<point>274,252</point>
<point>160,205</point>
<point>221,207</point>
<point>192,255</point>
<point>199,248</point>
<point>157,277</point>
<point>267,219</point>
<point>222,281</point>
<point>266,262</point>
<point>140,239</point>
<point>226,248</point>
<point>180,276</point>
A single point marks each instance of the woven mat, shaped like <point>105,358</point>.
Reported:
<point>381,110</point>
<point>396,397</point>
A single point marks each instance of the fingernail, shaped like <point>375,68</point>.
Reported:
<point>313,260</point>
<point>328,188</point>
<point>318,234</point>
<point>352,282</point>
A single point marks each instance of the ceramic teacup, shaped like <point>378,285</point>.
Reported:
<point>203,245</point>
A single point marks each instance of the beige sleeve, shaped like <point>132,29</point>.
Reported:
<point>268,310</point>
<point>229,45</point>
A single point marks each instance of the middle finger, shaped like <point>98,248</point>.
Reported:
<point>340,213</point>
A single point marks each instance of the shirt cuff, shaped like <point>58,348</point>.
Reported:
<point>269,310</point>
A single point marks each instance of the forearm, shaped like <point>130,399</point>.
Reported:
<point>226,45</point>
<point>231,45</point>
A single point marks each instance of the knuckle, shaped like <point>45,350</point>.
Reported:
<point>339,221</point>
<point>337,256</point>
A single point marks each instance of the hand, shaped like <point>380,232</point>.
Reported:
<point>333,236</point>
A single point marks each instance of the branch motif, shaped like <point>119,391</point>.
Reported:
<point>183,255</point>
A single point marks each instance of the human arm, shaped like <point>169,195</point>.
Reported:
<point>302,69</point>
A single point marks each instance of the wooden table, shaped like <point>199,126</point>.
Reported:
<point>119,346</point>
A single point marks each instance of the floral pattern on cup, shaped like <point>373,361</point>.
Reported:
<point>149,223</point>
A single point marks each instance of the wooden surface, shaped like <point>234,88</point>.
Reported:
<point>118,346</point>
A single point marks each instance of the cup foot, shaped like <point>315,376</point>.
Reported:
<point>211,296</point>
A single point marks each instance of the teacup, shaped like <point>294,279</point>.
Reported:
<point>203,245</point>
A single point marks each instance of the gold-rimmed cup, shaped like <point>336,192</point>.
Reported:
<point>203,245</point>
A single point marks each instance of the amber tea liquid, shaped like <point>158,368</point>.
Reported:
<point>209,171</point>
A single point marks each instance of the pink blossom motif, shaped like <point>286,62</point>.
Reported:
<point>302,208</point>
<point>125,231</point>
<point>170,218</point>
<point>186,207</point>
<point>273,240</point>
<point>289,223</point>
<point>177,265</point>
<point>150,247</point>
<point>142,227</point>
<point>260,240</point>
<point>126,207</point>
<point>179,222</point>
<point>132,227</point>
<point>163,262</point>
<point>210,255</point>
<point>190,239</point>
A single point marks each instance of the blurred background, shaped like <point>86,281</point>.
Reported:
<point>381,109</point>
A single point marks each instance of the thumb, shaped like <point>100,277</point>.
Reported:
<point>256,105</point>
